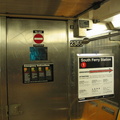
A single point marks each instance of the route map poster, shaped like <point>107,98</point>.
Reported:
<point>95,76</point>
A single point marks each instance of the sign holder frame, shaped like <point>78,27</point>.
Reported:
<point>95,76</point>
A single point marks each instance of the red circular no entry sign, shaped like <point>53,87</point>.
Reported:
<point>38,38</point>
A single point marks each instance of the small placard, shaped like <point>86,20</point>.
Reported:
<point>38,53</point>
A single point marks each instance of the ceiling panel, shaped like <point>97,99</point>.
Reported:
<point>55,8</point>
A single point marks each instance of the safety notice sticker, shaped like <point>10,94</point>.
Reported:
<point>95,76</point>
<point>38,36</point>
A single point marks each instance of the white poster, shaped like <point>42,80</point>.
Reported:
<point>95,76</point>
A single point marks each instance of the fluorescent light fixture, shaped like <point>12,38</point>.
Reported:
<point>101,28</point>
<point>97,29</point>
<point>116,21</point>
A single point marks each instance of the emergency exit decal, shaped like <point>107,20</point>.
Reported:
<point>38,36</point>
<point>36,73</point>
<point>95,76</point>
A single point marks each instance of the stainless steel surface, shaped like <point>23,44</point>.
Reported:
<point>38,100</point>
<point>3,88</point>
<point>104,46</point>
<point>53,100</point>
<point>53,8</point>
<point>76,108</point>
<point>108,46</point>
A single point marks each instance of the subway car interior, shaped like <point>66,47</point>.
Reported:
<point>59,60</point>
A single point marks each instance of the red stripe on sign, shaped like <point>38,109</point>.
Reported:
<point>94,71</point>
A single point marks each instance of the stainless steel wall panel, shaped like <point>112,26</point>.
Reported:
<point>99,46</point>
<point>107,46</point>
<point>38,100</point>
<point>3,87</point>
<point>49,100</point>
<point>76,108</point>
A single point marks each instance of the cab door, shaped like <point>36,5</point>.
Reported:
<point>36,101</point>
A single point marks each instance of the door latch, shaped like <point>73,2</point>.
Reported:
<point>14,109</point>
